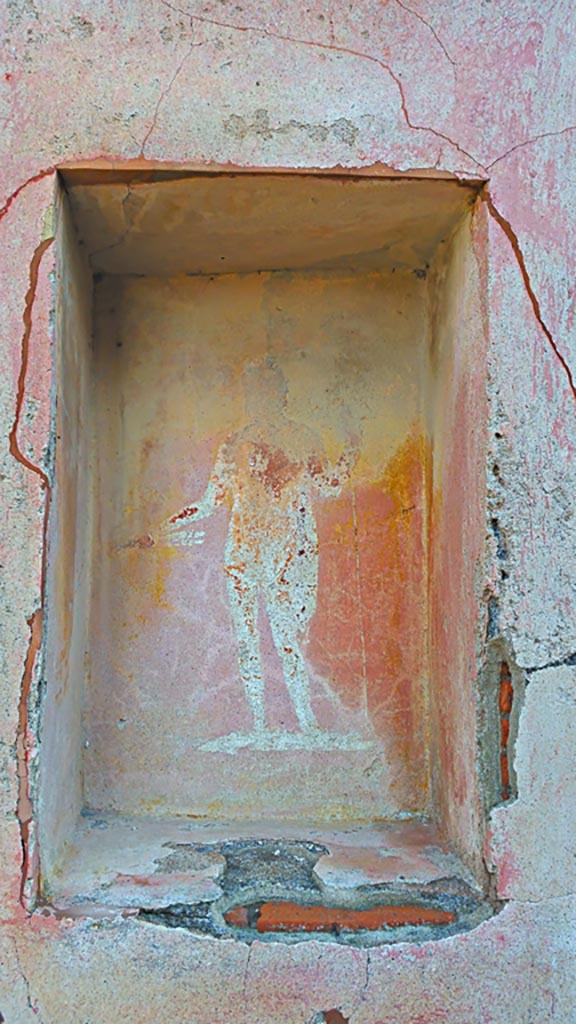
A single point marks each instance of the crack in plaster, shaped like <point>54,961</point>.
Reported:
<point>336,48</point>
<point>44,173</point>
<point>569,661</point>
<point>24,806</point>
<point>24,803</point>
<point>166,92</point>
<point>15,449</point>
<point>495,213</point>
<point>364,989</point>
<point>431,29</point>
<point>512,237</point>
<point>530,142</point>
<point>30,1004</point>
<point>245,978</point>
<point>125,232</point>
<point>535,901</point>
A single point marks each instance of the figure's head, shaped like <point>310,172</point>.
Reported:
<point>265,390</point>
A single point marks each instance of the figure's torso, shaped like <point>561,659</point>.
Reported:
<point>270,490</point>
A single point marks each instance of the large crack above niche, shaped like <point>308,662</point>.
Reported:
<point>335,48</point>
<point>409,10</point>
<point>504,224</point>
<point>512,237</point>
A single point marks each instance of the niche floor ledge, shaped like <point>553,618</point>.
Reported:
<point>361,883</point>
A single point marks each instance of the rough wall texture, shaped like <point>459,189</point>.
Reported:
<point>477,89</point>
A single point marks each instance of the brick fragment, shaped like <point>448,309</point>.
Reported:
<point>295,917</point>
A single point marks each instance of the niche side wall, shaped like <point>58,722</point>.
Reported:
<point>457,530</point>
<point>69,562</point>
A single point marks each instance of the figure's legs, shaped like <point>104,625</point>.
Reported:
<point>243,598</point>
<point>290,592</point>
<point>285,634</point>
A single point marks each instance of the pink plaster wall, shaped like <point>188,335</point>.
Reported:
<point>470,88</point>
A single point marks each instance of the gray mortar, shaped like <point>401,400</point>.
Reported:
<point>270,867</point>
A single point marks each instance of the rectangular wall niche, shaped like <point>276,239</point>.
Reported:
<point>259,616</point>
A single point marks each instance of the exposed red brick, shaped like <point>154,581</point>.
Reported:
<point>504,774</point>
<point>505,699</point>
<point>506,690</point>
<point>238,917</point>
<point>335,1017</point>
<point>293,917</point>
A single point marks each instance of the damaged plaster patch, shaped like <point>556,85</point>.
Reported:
<point>541,820</point>
<point>501,694</point>
<point>270,888</point>
<point>334,1016</point>
<point>186,858</point>
<point>239,127</point>
<point>275,866</point>
<point>196,917</point>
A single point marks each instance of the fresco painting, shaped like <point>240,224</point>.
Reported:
<point>267,473</point>
<point>260,582</point>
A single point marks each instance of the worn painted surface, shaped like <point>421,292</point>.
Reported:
<point>267,447</point>
<point>478,89</point>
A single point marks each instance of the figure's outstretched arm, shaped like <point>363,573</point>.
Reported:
<point>179,528</point>
<point>330,478</point>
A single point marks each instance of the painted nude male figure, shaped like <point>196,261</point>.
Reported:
<point>268,472</point>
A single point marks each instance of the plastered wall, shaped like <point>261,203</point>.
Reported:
<point>465,88</point>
